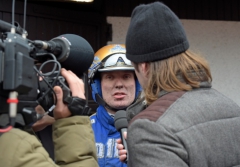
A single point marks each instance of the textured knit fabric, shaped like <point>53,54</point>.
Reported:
<point>154,33</point>
<point>73,140</point>
<point>105,138</point>
<point>198,128</point>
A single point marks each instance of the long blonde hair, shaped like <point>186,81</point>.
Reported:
<point>182,72</point>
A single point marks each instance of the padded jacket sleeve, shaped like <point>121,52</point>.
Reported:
<point>73,140</point>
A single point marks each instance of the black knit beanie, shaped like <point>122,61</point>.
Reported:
<point>155,33</point>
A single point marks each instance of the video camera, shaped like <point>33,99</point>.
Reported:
<point>22,62</point>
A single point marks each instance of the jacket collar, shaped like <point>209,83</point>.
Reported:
<point>105,119</point>
<point>140,104</point>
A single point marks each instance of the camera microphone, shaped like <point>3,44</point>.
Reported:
<point>72,51</point>
<point>121,124</point>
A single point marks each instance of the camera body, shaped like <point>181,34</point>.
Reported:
<point>18,73</point>
<point>21,69</point>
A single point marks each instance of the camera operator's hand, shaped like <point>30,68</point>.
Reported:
<point>44,121</point>
<point>76,86</point>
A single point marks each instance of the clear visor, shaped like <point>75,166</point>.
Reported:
<point>117,62</point>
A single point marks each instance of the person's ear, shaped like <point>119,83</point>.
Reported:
<point>144,68</point>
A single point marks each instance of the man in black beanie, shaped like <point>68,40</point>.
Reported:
<point>185,122</point>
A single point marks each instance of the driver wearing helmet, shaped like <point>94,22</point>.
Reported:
<point>114,87</point>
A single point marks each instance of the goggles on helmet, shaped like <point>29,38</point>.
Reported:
<point>116,62</point>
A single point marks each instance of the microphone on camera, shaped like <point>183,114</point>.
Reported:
<point>121,124</point>
<point>72,51</point>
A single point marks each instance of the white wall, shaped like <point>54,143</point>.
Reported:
<point>217,41</point>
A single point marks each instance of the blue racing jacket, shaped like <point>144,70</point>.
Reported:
<point>105,138</point>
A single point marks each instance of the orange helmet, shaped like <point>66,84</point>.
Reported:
<point>110,58</point>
